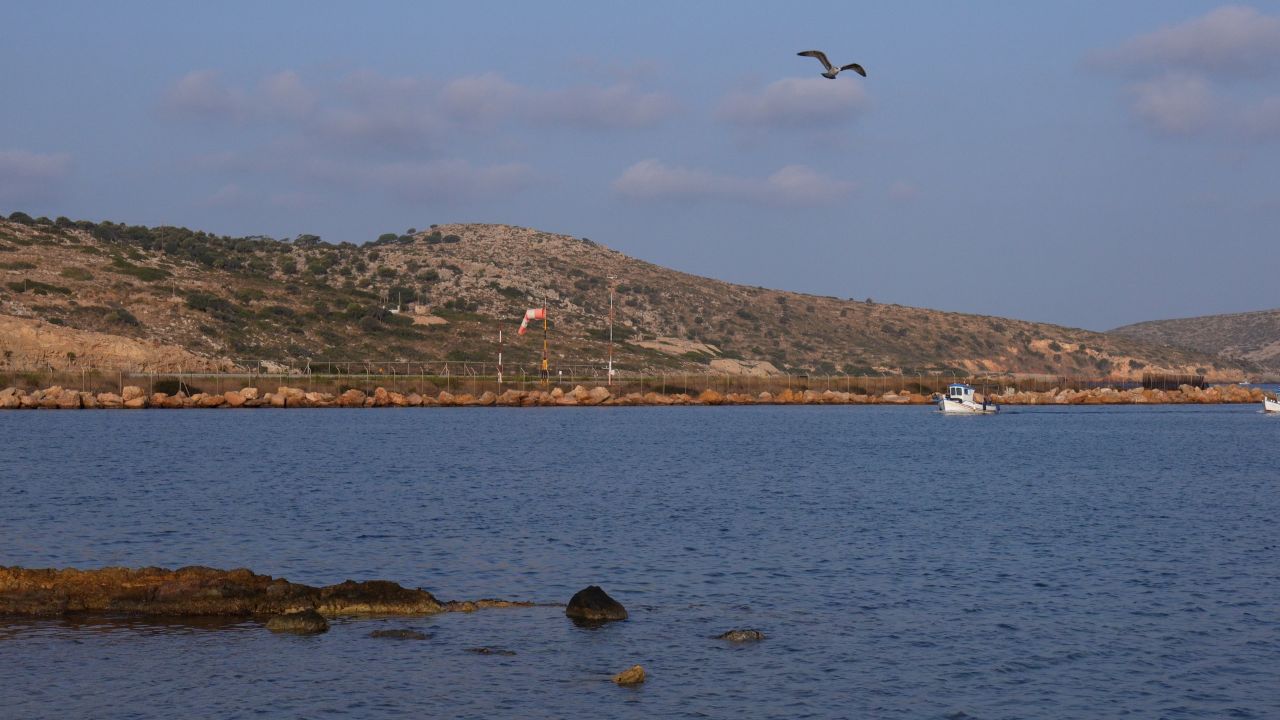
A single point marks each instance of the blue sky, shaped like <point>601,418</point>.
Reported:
<point>1087,163</point>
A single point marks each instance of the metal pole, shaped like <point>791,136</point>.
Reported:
<point>546,357</point>
<point>609,381</point>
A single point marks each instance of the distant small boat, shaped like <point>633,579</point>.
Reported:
<point>959,401</point>
<point>1269,405</point>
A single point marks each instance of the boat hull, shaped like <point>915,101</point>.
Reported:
<point>963,407</point>
<point>1271,406</point>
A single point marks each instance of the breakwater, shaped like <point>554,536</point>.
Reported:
<point>134,397</point>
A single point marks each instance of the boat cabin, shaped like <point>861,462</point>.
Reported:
<point>960,393</point>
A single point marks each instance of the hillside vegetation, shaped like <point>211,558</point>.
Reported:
<point>78,293</point>
<point>1252,337</point>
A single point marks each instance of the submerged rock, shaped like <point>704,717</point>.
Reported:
<point>594,604</point>
<point>401,634</point>
<point>303,622</point>
<point>490,651</point>
<point>633,675</point>
<point>741,636</point>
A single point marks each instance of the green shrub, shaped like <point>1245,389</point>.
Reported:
<point>37,288</point>
<point>76,273</point>
<point>146,274</point>
<point>17,265</point>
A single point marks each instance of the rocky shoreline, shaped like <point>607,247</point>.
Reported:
<point>134,397</point>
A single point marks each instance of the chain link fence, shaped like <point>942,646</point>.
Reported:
<point>433,377</point>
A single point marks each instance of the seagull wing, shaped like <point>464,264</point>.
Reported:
<point>822,57</point>
<point>856,68</point>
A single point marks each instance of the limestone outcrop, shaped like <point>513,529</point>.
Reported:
<point>197,591</point>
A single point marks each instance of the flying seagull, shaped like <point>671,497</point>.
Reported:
<point>832,71</point>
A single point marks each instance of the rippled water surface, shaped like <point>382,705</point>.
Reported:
<point>1046,563</point>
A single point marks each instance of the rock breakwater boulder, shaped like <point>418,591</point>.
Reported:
<point>593,604</point>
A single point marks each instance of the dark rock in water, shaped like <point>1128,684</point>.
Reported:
<point>401,634</point>
<point>303,622</point>
<point>594,604</point>
<point>490,651</point>
<point>741,636</point>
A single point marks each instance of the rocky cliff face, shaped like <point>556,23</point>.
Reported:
<point>100,295</point>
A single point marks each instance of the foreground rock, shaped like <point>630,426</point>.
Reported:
<point>197,591</point>
<point>739,636</point>
<point>594,605</point>
<point>633,675</point>
<point>303,622</point>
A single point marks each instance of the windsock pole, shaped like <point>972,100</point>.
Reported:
<point>546,364</point>
<point>499,357</point>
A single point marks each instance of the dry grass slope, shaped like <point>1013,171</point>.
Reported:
<point>220,300</point>
<point>1252,337</point>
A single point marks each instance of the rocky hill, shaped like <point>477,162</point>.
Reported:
<point>1252,337</point>
<point>104,295</point>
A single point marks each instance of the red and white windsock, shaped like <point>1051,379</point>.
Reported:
<point>532,314</point>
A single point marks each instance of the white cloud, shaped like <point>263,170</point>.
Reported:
<point>792,185</point>
<point>1174,104</point>
<point>1262,120</point>
<point>285,94</point>
<point>485,98</point>
<point>229,195</point>
<point>29,177</point>
<point>1230,40</point>
<point>796,103</point>
<point>202,94</point>
<point>903,191</point>
<point>596,107</point>
<point>449,179</point>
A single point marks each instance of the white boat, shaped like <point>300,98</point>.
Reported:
<point>1269,405</point>
<point>959,400</point>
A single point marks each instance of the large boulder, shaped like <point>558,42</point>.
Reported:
<point>599,395</point>
<point>10,399</point>
<point>302,622</point>
<point>710,397</point>
<point>234,399</point>
<point>136,403</point>
<point>130,392</point>
<point>212,401</point>
<point>110,400</point>
<point>351,398</point>
<point>381,398</point>
<point>48,398</point>
<point>249,393</point>
<point>593,604</point>
<point>293,397</point>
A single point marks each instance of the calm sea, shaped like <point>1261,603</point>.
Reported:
<point>1045,563</point>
